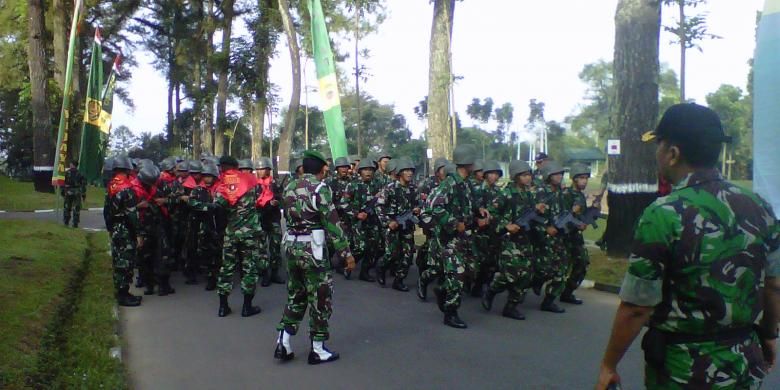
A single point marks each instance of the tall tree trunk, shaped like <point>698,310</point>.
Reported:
<point>285,138</point>
<point>220,137</point>
<point>633,173</point>
<point>683,49</point>
<point>43,145</point>
<point>197,147</point>
<point>357,81</point>
<point>59,30</point>
<point>439,135</point>
<point>171,134</point>
<point>258,121</point>
<point>265,37</point>
<point>207,137</point>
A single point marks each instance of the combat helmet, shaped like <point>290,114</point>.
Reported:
<point>122,162</point>
<point>245,164</point>
<point>148,174</point>
<point>464,155</point>
<point>552,167</point>
<point>265,163</point>
<point>366,163</point>
<point>168,164</point>
<point>403,164</point>
<point>440,162</point>
<point>479,165</point>
<point>450,169</point>
<point>195,166</point>
<point>341,162</point>
<point>579,169</point>
<point>517,167</point>
<point>492,166</point>
<point>210,169</point>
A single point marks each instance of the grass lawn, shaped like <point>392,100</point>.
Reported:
<point>21,196</point>
<point>55,308</point>
<point>604,269</point>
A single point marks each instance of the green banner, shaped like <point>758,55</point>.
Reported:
<point>326,74</point>
<point>92,138</point>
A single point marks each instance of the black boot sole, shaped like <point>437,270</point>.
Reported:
<point>313,359</point>
<point>281,354</point>
<point>251,311</point>
<point>224,312</point>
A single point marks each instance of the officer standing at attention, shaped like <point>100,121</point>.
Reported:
<point>74,191</point>
<point>704,270</point>
<point>311,220</point>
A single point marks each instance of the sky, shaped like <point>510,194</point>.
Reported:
<point>509,50</point>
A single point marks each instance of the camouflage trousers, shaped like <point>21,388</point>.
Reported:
<point>207,250</point>
<point>515,270</point>
<point>486,252</point>
<point>273,231</point>
<point>551,263</point>
<point>123,254</point>
<point>452,267</point>
<point>365,244</point>
<point>247,251</point>
<point>72,206</point>
<point>432,264</point>
<point>154,261</point>
<point>735,364</point>
<point>579,261</point>
<point>399,252</point>
<point>179,228</point>
<point>309,284</point>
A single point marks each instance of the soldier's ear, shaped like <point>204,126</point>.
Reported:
<point>675,156</point>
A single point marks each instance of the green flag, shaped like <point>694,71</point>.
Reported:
<point>92,138</point>
<point>326,74</point>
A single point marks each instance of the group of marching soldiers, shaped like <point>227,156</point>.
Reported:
<point>212,216</point>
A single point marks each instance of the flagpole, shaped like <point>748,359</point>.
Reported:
<point>61,153</point>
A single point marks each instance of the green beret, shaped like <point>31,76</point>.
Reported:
<point>315,155</point>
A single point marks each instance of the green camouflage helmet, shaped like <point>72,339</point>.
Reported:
<point>210,169</point>
<point>450,169</point>
<point>479,165</point>
<point>517,167</point>
<point>122,162</point>
<point>295,164</point>
<point>264,163</point>
<point>183,166</point>
<point>440,162</point>
<point>550,168</point>
<point>383,155</point>
<point>148,174</point>
<point>245,164</point>
<point>108,164</point>
<point>391,166</point>
<point>196,166</point>
<point>579,169</point>
<point>403,164</point>
<point>464,155</point>
<point>341,162</point>
<point>492,166</point>
<point>365,164</point>
<point>136,162</point>
<point>168,164</point>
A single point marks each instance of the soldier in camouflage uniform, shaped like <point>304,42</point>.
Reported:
<point>191,265</point>
<point>541,159</point>
<point>362,211</point>
<point>338,187</point>
<point>207,250</point>
<point>74,192</point>
<point>269,206</point>
<point>122,224</point>
<point>552,265</point>
<point>398,198</point>
<point>237,195</point>
<point>452,209</point>
<point>424,191</point>
<point>311,220</point>
<point>515,263</point>
<point>487,243</point>
<point>178,210</point>
<point>575,201</point>
<point>704,270</point>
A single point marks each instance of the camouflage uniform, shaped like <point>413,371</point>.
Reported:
<point>487,244</point>
<point>271,219</point>
<point>365,234</point>
<point>74,190</point>
<point>154,255</point>
<point>393,201</point>
<point>242,239</point>
<point>424,191</point>
<point>515,262</point>
<point>207,249</point>
<point>450,204</point>
<point>338,187</point>
<point>700,258</point>
<point>575,243</point>
<point>551,252</point>
<point>308,206</point>
<point>123,226</point>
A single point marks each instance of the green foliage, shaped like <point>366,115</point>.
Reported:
<point>692,28</point>
<point>736,113</point>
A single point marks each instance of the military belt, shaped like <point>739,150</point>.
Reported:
<point>299,238</point>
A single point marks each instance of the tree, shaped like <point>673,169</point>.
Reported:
<point>689,30</point>
<point>285,139</point>
<point>633,174</point>
<point>43,147</point>
<point>480,111</point>
<point>504,116</point>
<point>122,141</point>
<point>223,65</point>
<point>734,110</point>
<point>439,77</point>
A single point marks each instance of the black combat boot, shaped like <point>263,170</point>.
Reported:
<point>192,277</point>
<point>487,299</point>
<point>568,297</point>
<point>149,284</point>
<point>476,289</point>
<point>347,274</point>
<point>275,278</point>
<point>266,281</point>
<point>451,319</point>
<point>398,284</point>
<point>283,349</point>
<point>165,286</point>
<point>248,310</point>
<point>124,298</point>
<point>211,283</point>
<point>440,297</point>
<point>321,354</point>
<point>139,282</point>
<point>224,309</point>
<point>422,289</point>
<point>364,275</point>
<point>549,305</point>
<point>381,272</point>
<point>510,311</point>
<point>536,285</point>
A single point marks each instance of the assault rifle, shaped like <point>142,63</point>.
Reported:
<point>370,207</point>
<point>590,216</point>
<point>407,221</point>
<point>565,222</point>
<point>527,217</point>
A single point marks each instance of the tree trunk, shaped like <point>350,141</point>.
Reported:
<point>207,135</point>
<point>43,145</point>
<point>266,32</point>
<point>633,174</point>
<point>171,135</point>
<point>197,147</point>
<point>258,121</point>
<point>59,31</point>
<point>439,135</point>
<point>285,138</point>
<point>220,137</point>
<point>357,81</point>
<point>683,49</point>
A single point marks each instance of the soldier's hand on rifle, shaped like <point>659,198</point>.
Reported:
<point>551,230</point>
<point>350,263</point>
<point>362,216</point>
<point>541,208</point>
<point>461,227</point>
<point>513,229</point>
<point>416,211</point>
<point>140,242</point>
<point>393,225</point>
<point>160,201</point>
<point>142,205</point>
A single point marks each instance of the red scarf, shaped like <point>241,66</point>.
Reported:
<point>234,184</point>
<point>118,183</point>
<point>147,195</point>
<point>267,195</point>
<point>189,182</point>
<point>167,177</point>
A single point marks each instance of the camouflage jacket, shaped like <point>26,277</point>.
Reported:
<point>571,198</point>
<point>485,197</point>
<point>202,210</point>
<point>394,200</point>
<point>700,256</point>
<point>122,210</point>
<point>308,205</point>
<point>243,218</point>
<point>554,199</point>
<point>381,179</point>
<point>450,204</point>
<point>357,196</point>
<point>75,183</point>
<point>338,187</point>
<point>509,205</point>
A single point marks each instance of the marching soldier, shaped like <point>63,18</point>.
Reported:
<point>398,200</point>
<point>74,192</point>
<point>338,183</point>
<point>515,262</point>
<point>269,205</point>
<point>207,250</point>
<point>311,221</point>
<point>191,265</point>
<point>576,202</point>
<point>541,160</point>
<point>179,220</point>
<point>487,244</point>
<point>551,253</point>
<point>361,208</point>
<point>424,191</point>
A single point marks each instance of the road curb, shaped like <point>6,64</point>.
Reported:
<point>95,209</point>
<point>43,211</point>
<point>606,288</point>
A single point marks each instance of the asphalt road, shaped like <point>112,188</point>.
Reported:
<point>387,340</point>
